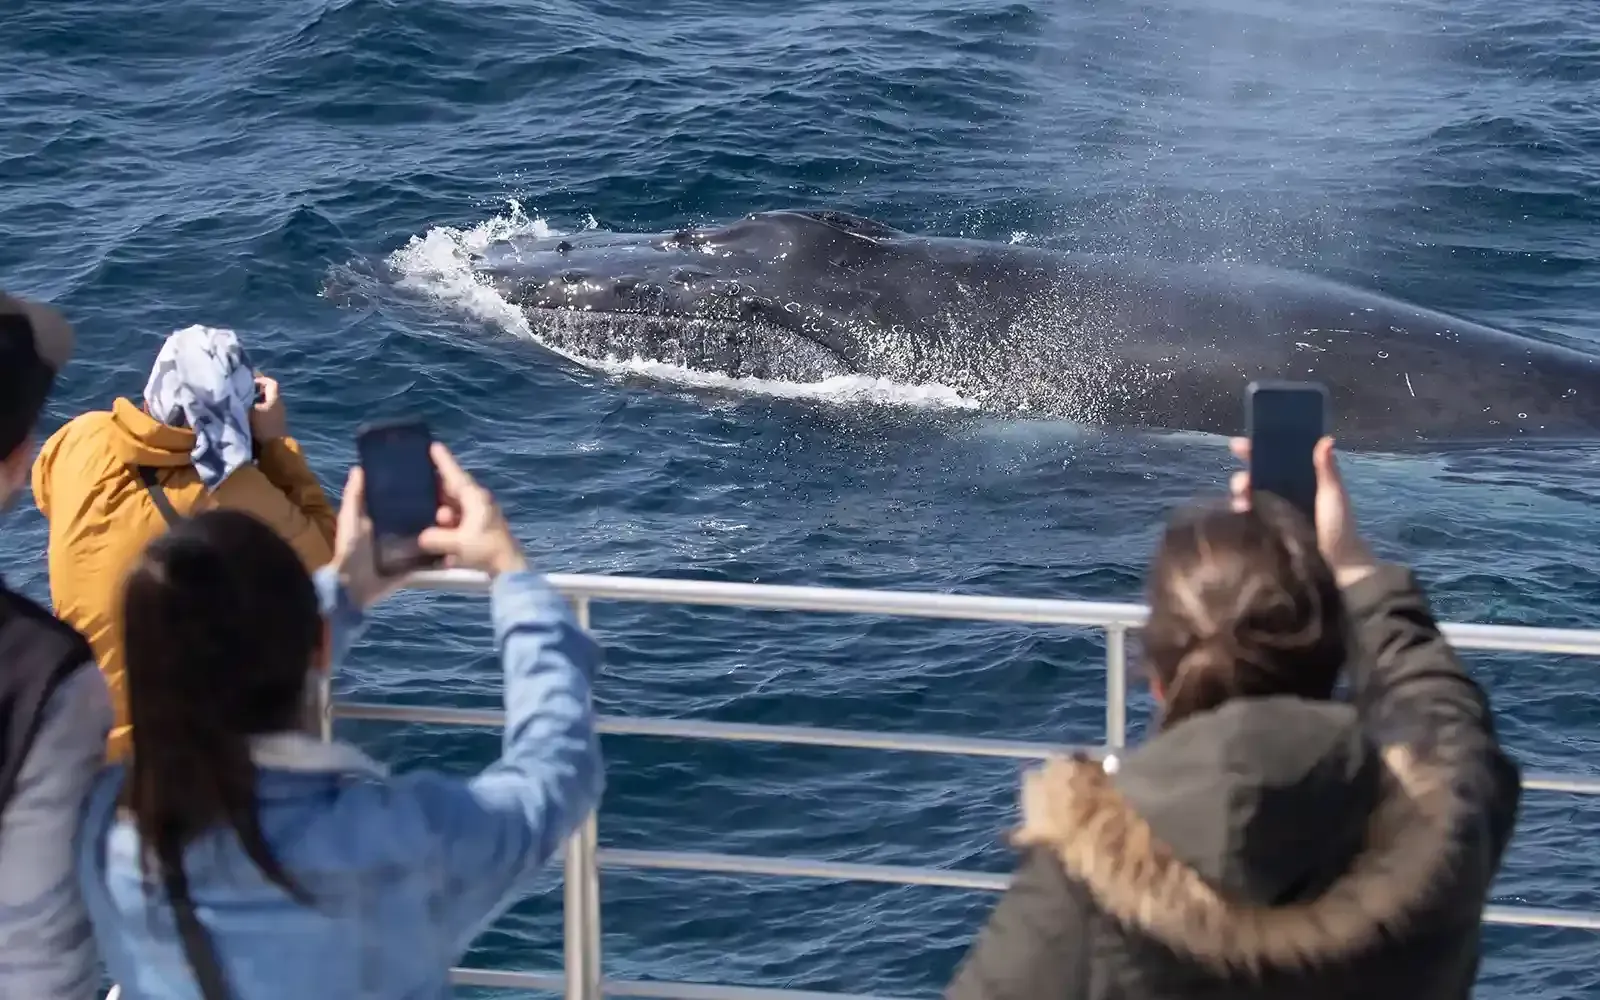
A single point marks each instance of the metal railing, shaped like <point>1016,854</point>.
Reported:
<point>583,979</point>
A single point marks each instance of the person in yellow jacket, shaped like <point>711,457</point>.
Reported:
<point>212,434</point>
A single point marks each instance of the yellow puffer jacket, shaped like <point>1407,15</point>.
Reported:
<point>101,517</point>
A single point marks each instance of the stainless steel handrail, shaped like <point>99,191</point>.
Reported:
<point>581,889</point>
<point>953,607</point>
<point>583,979</point>
<point>852,739</point>
<point>951,878</point>
<point>553,982</point>
<point>694,729</point>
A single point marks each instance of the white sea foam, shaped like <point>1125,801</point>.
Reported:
<point>439,264</point>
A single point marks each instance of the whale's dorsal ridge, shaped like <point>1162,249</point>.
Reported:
<point>855,225</point>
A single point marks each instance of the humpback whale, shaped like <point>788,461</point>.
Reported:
<point>804,295</point>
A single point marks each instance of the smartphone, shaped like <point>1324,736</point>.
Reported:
<point>402,492</point>
<point>1285,422</point>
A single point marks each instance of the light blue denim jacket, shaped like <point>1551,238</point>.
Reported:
<point>405,870</point>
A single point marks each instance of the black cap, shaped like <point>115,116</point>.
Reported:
<point>35,343</point>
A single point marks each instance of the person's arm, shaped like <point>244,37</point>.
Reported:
<point>278,459</point>
<point>44,469</point>
<point>345,618</point>
<point>1407,684</point>
<point>285,467</point>
<point>493,832</point>
<point>1411,689</point>
<point>1034,945</point>
<point>46,949</point>
<point>249,490</point>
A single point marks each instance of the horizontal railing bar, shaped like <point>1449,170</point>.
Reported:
<point>772,597</point>
<point>1533,916</point>
<point>1043,611</point>
<point>952,878</point>
<point>750,732</point>
<point>485,717</point>
<point>1572,784</point>
<point>844,871</point>
<point>1522,638</point>
<point>554,982</point>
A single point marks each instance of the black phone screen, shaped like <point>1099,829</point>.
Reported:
<point>402,491</point>
<point>1286,421</point>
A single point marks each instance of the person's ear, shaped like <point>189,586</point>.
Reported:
<point>14,470</point>
<point>1158,692</point>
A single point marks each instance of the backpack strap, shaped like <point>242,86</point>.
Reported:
<point>152,485</point>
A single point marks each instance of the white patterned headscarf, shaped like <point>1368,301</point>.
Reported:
<point>202,380</point>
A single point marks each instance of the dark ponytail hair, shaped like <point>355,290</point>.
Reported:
<point>221,625</point>
<point>1242,605</point>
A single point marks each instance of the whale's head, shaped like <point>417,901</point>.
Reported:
<point>773,295</point>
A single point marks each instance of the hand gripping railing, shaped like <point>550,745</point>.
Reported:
<point>582,979</point>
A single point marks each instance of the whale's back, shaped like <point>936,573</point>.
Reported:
<point>1196,337</point>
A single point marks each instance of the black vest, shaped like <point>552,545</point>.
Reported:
<point>37,653</point>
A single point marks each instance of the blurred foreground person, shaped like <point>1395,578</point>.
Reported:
<point>212,435</point>
<point>54,714</point>
<point>237,856</point>
<point>1269,841</point>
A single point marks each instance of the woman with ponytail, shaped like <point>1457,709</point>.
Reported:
<point>235,857</point>
<point>1269,840</point>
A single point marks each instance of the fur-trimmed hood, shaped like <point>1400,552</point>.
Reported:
<point>1268,834</point>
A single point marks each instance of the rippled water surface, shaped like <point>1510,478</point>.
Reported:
<point>315,173</point>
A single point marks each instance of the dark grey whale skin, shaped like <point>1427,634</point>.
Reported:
<point>803,295</point>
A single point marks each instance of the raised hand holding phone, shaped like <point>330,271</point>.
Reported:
<point>268,421</point>
<point>1338,536</point>
<point>470,530</point>
<point>432,513</point>
<point>353,551</point>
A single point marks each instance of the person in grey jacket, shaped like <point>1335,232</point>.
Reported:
<point>54,711</point>
<point>1269,841</point>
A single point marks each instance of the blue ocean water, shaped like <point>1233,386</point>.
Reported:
<point>312,173</point>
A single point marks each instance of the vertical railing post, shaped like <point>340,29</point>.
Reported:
<point>1116,686</point>
<point>581,906</point>
<point>323,706</point>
